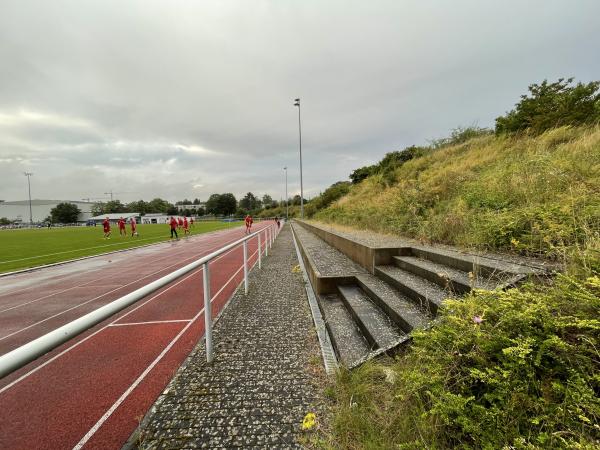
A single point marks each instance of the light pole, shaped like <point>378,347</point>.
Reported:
<point>28,175</point>
<point>297,103</point>
<point>287,206</point>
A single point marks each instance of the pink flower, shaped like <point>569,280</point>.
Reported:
<point>477,320</point>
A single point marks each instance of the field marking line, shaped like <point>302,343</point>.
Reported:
<point>93,299</point>
<point>151,322</point>
<point>76,344</point>
<point>45,296</point>
<point>143,375</point>
<point>72,251</point>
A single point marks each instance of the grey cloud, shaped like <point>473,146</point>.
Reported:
<point>153,80</point>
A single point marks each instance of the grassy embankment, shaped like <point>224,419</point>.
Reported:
<point>26,248</point>
<point>515,369</point>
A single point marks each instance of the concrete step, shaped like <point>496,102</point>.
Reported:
<point>399,308</point>
<point>487,268</point>
<point>426,294</point>
<point>347,339</point>
<point>380,332</point>
<point>445,276</point>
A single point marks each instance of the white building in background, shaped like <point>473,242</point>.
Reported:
<point>40,209</point>
<point>191,206</point>
<point>158,218</point>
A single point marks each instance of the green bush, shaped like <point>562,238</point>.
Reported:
<point>501,369</point>
<point>552,105</point>
<point>331,194</point>
<point>459,135</point>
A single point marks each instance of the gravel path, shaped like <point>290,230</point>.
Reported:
<point>265,377</point>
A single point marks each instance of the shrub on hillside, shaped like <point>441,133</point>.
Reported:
<point>460,135</point>
<point>388,165</point>
<point>500,369</point>
<point>331,194</point>
<point>551,105</point>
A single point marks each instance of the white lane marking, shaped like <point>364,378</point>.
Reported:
<point>76,250</point>
<point>45,296</point>
<point>102,295</point>
<point>130,389</point>
<point>152,322</point>
<point>35,369</point>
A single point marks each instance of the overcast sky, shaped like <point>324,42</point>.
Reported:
<point>186,98</point>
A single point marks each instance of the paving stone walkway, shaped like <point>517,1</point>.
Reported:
<point>265,377</point>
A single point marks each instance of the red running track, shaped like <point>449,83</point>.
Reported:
<point>92,391</point>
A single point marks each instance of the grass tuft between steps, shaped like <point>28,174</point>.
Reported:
<point>501,369</point>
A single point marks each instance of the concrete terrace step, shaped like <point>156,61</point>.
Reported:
<point>447,277</point>
<point>378,329</point>
<point>399,308</point>
<point>479,265</point>
<point>347,339</point>
<point>428,295</point>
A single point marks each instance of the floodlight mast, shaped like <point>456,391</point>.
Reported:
<point>287,202</point>
<point>28,175</point>
<point>297,103</point>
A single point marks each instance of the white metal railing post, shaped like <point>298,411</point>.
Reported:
<point>259,252</point>
<point>266,242</point>
<point>246,266</point>
<point>270,237</point>
<point>207,314</point>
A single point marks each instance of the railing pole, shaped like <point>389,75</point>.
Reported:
<point>266,242</point>
<point>259,252</point>
<point>246,267</point>
<point>207,314</point>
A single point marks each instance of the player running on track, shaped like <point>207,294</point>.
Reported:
<point>133,224</point>
<point>249,222</point>
<point>173,224</point>
<point>122,231</point>
<point>186,227</point>
<point>106,227</point>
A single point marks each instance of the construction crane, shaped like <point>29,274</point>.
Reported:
<point>111,193</point>
<point>89,199</point>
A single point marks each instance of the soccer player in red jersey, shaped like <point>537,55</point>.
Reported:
<point>249,222</point>
<point>180,222</point>
<point>173,224</point>
<point>191,222</point>
<point>122,231</point>
<point>133,224</point>
<point>186,227</point>
<point>106,227</point>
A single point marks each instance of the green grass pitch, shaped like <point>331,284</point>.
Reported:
<point>21,249</point>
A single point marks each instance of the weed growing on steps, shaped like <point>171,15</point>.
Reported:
<point>514,369</point>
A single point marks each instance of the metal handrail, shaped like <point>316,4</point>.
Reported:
<point>20,356</point>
